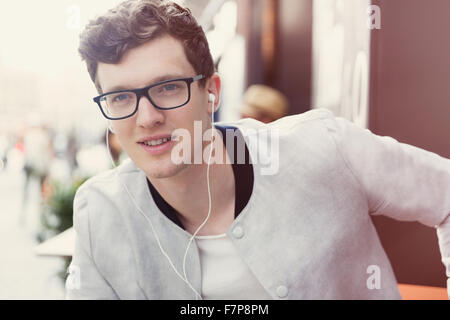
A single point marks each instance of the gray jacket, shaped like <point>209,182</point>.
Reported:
<point>306,232</point>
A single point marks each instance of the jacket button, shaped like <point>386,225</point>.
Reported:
<point>282,291</point>
<point>238,232</point>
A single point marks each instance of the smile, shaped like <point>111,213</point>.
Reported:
<point>156,142</point>
<point>157,147</point>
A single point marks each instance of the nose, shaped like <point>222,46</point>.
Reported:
<point>147,115</point>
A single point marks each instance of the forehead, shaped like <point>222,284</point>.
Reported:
<point>159,59</point>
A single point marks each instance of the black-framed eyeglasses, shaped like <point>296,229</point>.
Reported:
<point>164,95</point>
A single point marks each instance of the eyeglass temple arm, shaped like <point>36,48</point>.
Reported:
<point>199,77</point>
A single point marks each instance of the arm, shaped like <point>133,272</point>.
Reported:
<point>400,181</point>
<point>85,281</point>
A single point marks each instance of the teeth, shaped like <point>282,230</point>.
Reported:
<point>156,142</point>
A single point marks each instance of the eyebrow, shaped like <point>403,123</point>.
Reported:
<point>153,81</point>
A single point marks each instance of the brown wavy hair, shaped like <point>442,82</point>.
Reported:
<point>134,22</point>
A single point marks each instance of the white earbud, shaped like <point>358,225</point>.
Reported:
<point>212,100</point>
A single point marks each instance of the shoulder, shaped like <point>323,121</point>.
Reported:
<point>101,204</point>
<point>311,117</point>
<point>303,138</point>
<point>308,127</point>
<point>303,120</point>
<point>111,178</point>
<point>106,187</point>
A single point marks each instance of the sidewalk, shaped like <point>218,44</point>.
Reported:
<point>23,275</point>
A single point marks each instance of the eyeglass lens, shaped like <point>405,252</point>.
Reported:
<point>165,96</point>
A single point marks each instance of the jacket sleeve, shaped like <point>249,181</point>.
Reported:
<point>85,280</point>
<point>400,181</point>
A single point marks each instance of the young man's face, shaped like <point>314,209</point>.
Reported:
<point>154,61</point>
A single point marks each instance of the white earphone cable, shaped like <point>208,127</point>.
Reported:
<point>213,98</point>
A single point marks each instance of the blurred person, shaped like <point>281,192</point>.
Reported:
<point>72,149</point>
<point>302,231</point>
<point>38,152</point>
<point>15,156</point>
<point>264,104</point>
<point>4,147</point>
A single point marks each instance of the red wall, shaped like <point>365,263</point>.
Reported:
<point>410,101</point>
<point>410,96</point>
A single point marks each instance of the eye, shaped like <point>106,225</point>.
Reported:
<point>121,97</point>
<point>170,87</point>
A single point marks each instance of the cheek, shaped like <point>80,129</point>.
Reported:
<point>195,112</point>
<point>124,131</point>
<point>184,118</point>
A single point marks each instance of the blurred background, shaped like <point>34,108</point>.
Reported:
<point>383,64</point>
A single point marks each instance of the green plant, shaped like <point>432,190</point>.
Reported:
<point>57,212</point>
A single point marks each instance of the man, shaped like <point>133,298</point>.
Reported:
<point>291,221</point>
<point>264,104</point>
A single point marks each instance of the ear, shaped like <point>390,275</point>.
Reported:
<point>213,86</point>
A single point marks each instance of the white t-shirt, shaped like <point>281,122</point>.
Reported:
<point>224,275</point>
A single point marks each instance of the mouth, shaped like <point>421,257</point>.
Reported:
<point>157,146</point>
<point>156,142</point>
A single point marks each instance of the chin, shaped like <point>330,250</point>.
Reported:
<point>163,171</point>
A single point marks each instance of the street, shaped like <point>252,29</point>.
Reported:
<point>23,275</point>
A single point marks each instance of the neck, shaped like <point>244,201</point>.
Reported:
<point>187,193</point>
